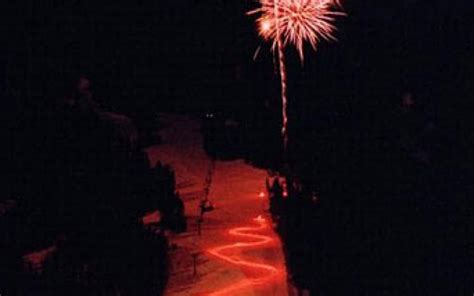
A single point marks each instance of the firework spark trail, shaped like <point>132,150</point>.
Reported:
<point>283,80</point>
<point>271,272</point>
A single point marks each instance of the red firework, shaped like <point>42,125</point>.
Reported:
<point>295,22</point>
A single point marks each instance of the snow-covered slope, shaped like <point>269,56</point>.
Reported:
<point>236,254</point>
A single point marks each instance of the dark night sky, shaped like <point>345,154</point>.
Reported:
<point>187,54</point>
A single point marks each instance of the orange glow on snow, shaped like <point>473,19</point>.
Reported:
<point>268,273</point>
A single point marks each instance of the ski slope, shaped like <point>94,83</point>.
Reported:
<point>237,253</point>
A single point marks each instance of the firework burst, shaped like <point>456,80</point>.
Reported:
<point>297,21</point>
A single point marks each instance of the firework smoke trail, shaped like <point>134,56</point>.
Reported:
<point>295,21</point>
<point>283,80</point>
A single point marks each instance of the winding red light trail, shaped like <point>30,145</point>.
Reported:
<point>269,272</point>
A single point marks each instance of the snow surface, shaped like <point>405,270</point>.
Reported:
<point>243,269</point>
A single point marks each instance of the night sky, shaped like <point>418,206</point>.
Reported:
<point>195,55</point>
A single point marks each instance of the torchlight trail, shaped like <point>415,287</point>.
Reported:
<point>295,22</point>
<point>270,272</point>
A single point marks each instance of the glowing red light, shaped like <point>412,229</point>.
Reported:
<point>151,218</point>
<point>269,272</point>
<point>36,259</point>
<point>262,194</point>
